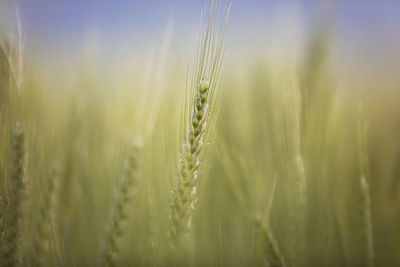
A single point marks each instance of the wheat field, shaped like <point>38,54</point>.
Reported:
<point>277,159</point>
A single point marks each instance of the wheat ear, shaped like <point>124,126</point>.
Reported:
<point>119,209</point>
<point>185,194</point>
<point>46,220</point>
<point>12,217</point>
<point>199,122</point>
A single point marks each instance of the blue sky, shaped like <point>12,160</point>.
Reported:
<point>119,17</point>
<point>64,25</point>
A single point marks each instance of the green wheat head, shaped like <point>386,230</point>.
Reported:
<point>199,120</point>
<point>13,212</point>
<point>46,220</point>
<point>119,209</point>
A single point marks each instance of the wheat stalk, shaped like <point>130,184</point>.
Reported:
<point>271,252</point>
<point>365,190</point>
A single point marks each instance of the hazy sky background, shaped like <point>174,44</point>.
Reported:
<point>63,27</point>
